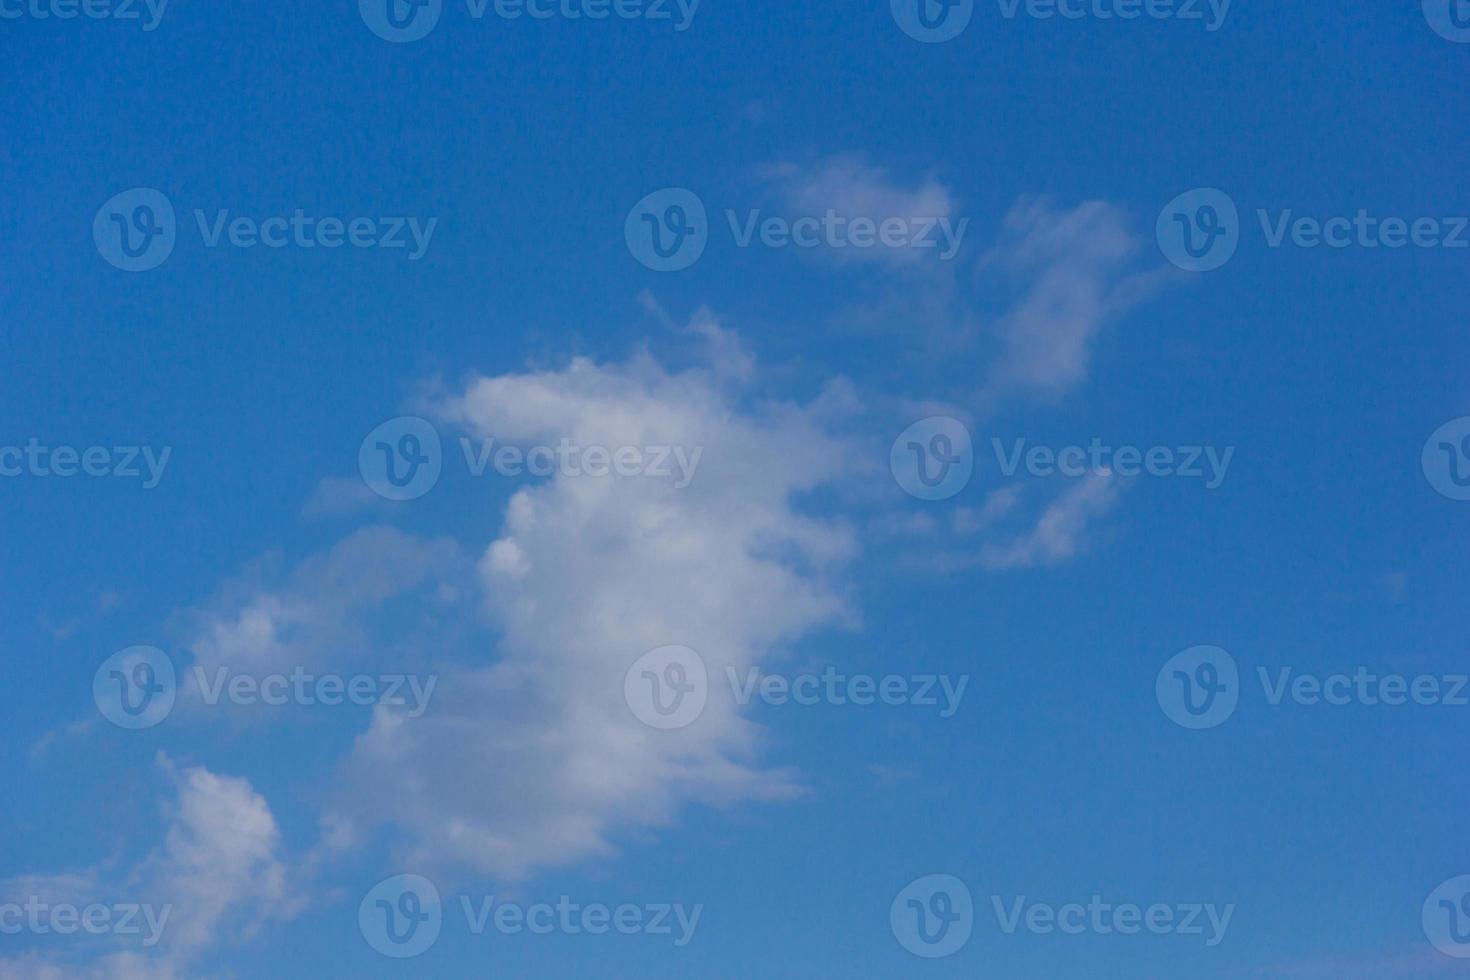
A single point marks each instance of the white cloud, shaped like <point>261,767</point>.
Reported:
<point>1059,532</point>
<point>1077,269</point>
<point>853,189</point>
<point>998,503</point>
<point>535,760</point>
<point>336,495</point>
<point>219,870</point>
<point>325,611</point>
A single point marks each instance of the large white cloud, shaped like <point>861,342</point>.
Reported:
<point>535,759</point>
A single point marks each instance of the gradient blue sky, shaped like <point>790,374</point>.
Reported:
<point>1060,777</point>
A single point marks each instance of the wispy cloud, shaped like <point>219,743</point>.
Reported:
<point>1060,531</point>
<point>1077,271</point>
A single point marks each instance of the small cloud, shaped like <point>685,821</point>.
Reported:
<point>1058,534</point>
<point>218,872</point>
<point>904,524</point>
<point>886,776</point>
<point>970,520</point>
<point>849,189</point>
<point>1395,586</point>
<point>1078,266</point>
<point>335,496</point>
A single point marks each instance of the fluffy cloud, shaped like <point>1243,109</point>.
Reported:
<point>218,871</point>
<point>535,759</point>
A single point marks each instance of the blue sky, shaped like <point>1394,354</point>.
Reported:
<point>1057,153</point>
